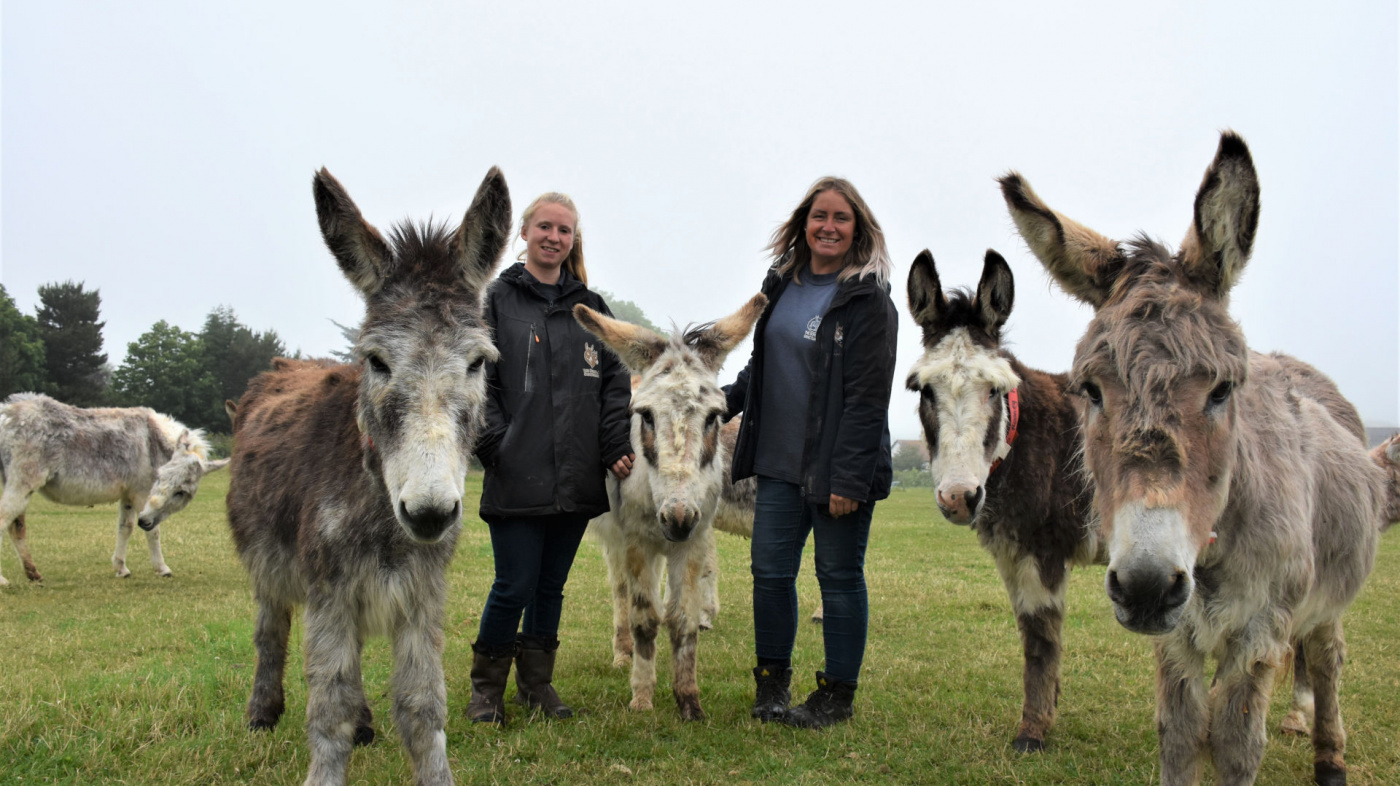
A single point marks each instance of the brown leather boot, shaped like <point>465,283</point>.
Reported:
<point>534,676</point>
<point>490,671</point>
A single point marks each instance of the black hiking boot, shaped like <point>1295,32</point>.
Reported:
<point>490,671</point>
<point>534,676</point>
<point>771,694</point>
<point>829,704</point>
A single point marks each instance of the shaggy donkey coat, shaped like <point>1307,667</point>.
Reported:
<point>663,513</point>
<point>346,493</point>
<point>1240,508</point>
<point>1028,501</point>
<point>144,460</point>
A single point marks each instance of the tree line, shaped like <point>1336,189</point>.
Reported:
<point>58,351</point>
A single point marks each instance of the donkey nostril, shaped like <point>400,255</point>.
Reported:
<point>1179,590</point>
<point>1115,589</point>
<point>973,498</point>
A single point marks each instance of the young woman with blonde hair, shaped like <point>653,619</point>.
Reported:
<point>556,420</point>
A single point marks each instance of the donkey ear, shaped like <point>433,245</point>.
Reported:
<point>360,250</point>
<point>485,230</point>
<point>995,292</point>
<point>1083,262</point>
<point>231,409</point>
<point>926,301</point>
<point>1221,236</point>
<point>634,345</point>
<point>213,466</point>
<point>715,344</point>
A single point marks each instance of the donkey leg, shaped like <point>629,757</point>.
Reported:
<point>334,692</point>
<point>1244,681</point>
<point>684,609</point>
<point>18,536</point>
<point>621,601</point>
<point>1182,719</point>
<point>1326,650</point>
<point>1040,612</point>
<point>157,560</point>
<point>126,522</point>
<point>420,694</point>
<point>267,702</point>
<point>644,619</point>
<point>1299,718</point>
<point>709,583</point>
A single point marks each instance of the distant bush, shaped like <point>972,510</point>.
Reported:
<point>220,445</point>
<point>913,478</point>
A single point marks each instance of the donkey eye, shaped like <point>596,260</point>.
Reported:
<point>378,365</point>
<point>1092,392</point>
<point>927,393</point>
<point>476,365</point>
<point>1220,395</point>
<point>993,393</point>
<point>712,421</point>
<point>646,418</point>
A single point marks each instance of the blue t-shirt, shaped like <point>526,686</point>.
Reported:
<point>789,359</point>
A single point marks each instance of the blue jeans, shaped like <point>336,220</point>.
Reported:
<point>533,556</point>
<point>782,519</point>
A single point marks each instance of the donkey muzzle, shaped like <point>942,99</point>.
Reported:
<point>960,504</point>
<point>145,524</point>
<point>678,520</point>
<point>428,523</point>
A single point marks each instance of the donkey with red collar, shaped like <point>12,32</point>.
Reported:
<point>1004,448</point>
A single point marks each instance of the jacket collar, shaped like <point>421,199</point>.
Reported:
<point>517,276</point>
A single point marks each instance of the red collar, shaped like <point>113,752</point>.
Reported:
<point>1013,404</point>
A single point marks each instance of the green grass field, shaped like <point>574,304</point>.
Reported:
<point>144,680</point>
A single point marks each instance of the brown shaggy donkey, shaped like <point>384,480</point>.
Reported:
<point>1240,507</point>
<point>346,493</point>
<point>1003,442</point>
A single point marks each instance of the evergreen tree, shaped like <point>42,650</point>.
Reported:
<point>165,370</point>
<point>72,336</point>
<point>21,349</point>
<point>233,354</point>
<point>627,311</point>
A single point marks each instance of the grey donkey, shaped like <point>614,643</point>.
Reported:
<point>145,461</point>
<point>346,493</point>
<point>1234,490</point>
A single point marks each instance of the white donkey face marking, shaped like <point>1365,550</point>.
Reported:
<point>676,411</point>
<point>961,385</point>
<point>177,481</point>
<point>423,390</point>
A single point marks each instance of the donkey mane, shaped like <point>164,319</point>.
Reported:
<point>170,431</point>
<point>1151,292</point>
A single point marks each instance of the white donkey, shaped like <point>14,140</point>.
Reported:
<point>663,514</point>
<point>142,459</point>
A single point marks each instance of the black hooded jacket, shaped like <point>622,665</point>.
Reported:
<point>557,402</point>
<point>847,449</point>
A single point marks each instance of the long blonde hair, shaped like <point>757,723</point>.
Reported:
<point>573,263</point>
<point>868,255</point>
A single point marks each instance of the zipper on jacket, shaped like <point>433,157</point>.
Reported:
<point>530,350</point>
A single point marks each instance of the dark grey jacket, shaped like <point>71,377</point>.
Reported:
<point>557,405</point>
<point>847,451</point>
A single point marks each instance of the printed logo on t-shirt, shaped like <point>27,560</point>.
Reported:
<point>590,356</point>
<point>812,325</point>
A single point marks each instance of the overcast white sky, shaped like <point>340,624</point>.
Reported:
<point>162,152</point>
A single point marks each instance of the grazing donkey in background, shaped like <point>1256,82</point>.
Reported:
<point>346,493</point>
<point>1234,490</point>
<point>1004,445</point>
<point>144,460</point>
<point>665,510</point>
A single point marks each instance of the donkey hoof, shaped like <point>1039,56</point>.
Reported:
<point>364,735</point>
<point>1328,774</point>
<point>262,724</point>
<point>640,705</point>
<point>4,582</point>
<point>32,576</point>
<point>166,575</point>
<point>1028,745</point>
<point>1295,723</point>
<point>690,708</point>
